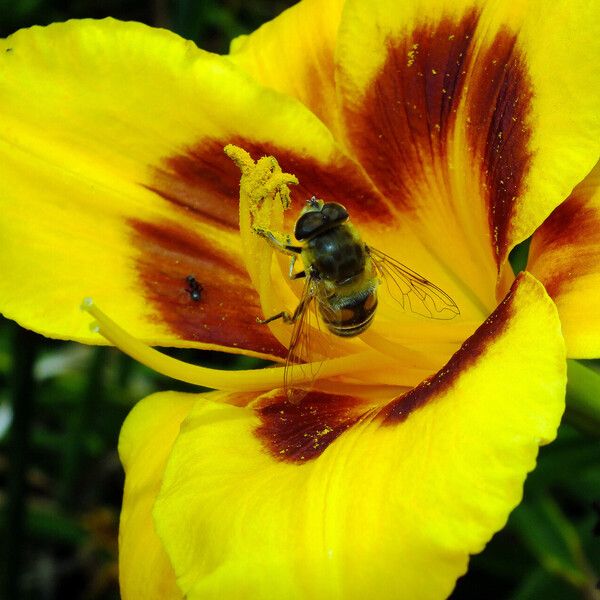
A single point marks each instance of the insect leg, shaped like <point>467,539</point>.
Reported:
<point>279,242</point>
<point>293,275</point>
<point>287,318</point>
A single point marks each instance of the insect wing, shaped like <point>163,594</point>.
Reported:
<point>307,345</point>
<point>412,291</point>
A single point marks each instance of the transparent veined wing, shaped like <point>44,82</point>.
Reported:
<point>412,291</point>
<point>308,344</point>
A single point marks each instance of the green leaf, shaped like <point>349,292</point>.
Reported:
<point>541,584</point>
<point>583,397</point>
<point>554,541</point>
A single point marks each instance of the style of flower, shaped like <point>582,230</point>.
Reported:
<point>450,131</point>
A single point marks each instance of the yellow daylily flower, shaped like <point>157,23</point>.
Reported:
<point>450,131</point>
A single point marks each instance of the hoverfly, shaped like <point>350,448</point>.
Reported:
<point>342,274</point>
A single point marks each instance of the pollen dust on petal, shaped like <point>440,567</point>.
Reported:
<point>298,433</point>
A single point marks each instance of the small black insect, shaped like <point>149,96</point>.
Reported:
<point>194,288</point>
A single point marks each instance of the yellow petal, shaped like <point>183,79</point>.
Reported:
<point>144,446</point>
<point>88,112</point>
<point>476,119</point>
<point>115,184</point>
<point>294,54</point>
<point>123,200</point>
<point>565,256</point>
<point>334,498</point>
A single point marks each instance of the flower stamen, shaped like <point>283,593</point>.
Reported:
<point>249,380</point>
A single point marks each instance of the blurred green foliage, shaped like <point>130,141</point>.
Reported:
<point>62,405</point>
<point>210,23</point>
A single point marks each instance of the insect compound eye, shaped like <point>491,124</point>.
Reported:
<point>308,224</point>
<point>316,221</point>
<point>334,213</point>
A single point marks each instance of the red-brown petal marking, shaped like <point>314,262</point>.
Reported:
<point>401,128</point>
<point>573,225</point>
<point>402,123</point>
<point>399,409</point>
<point>499,104</point>
<point>300,432</point>
<point>228,306</point>
<point>202,186</point>
<point>205,183</point>
<point>337,181</point>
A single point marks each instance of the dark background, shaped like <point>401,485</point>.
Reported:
<point>62,405</point>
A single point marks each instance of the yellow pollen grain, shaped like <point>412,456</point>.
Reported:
<point>411,54</point>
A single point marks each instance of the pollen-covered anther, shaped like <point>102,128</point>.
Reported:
<point>261,183</point>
